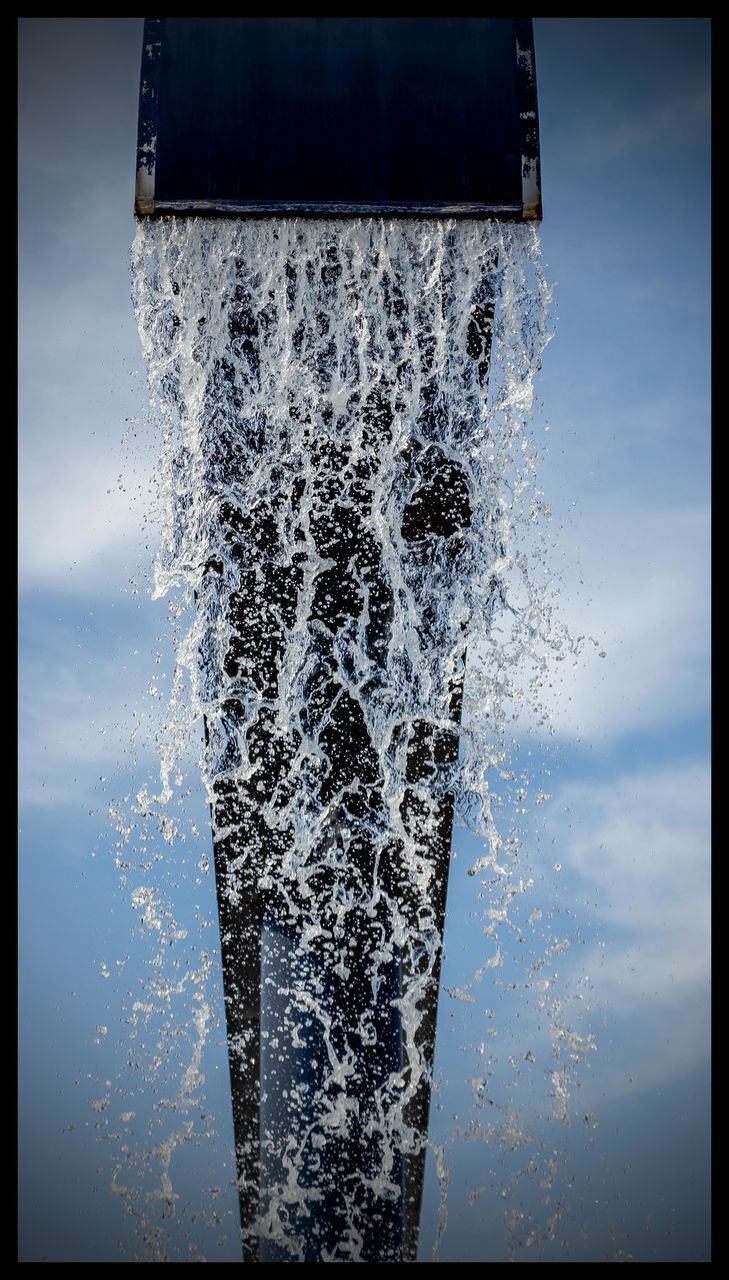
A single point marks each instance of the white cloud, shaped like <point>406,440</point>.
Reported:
<point>80,720</point>
<point>638,845</point>
<point>636,592</point>
<point>84,521</point>
<point>85,477</point>
<point>641,841</point>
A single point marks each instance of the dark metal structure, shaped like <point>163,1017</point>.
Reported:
<point>334,116</point>
<point>338,115</point>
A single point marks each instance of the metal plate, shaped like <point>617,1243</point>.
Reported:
<point>339,116</point>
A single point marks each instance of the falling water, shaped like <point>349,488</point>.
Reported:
<point>345,470</point>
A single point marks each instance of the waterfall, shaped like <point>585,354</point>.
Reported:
<point>343,407</point>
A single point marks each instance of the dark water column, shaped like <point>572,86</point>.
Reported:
<point>280,1093</point>
<point>439,512</point>
<point>335,1165</point>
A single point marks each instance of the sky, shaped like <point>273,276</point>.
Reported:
<point>618,853</point>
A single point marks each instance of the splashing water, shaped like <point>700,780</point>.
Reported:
<point>345,465</point>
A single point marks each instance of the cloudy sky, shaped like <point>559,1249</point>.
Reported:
<point>618,853</point>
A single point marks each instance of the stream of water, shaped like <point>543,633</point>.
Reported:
<point>346,470</point>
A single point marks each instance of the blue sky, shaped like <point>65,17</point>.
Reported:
<point>623,427</point>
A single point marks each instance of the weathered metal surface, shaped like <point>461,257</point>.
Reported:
<point>426,116</point>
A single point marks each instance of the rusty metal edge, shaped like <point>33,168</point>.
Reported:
<point>526,88</point>
<point>333,208</point>
<point>144,206</point>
